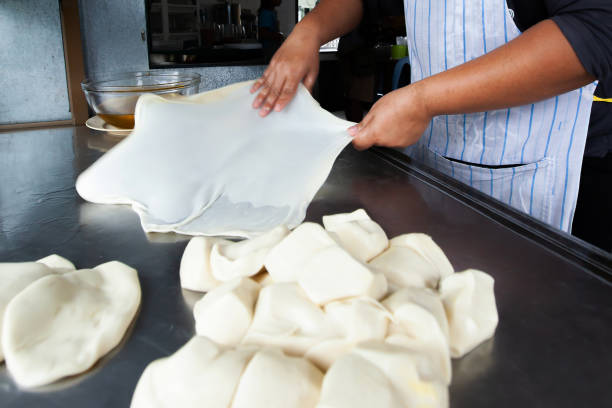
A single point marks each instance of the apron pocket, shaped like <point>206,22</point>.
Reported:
<point>526,187</point>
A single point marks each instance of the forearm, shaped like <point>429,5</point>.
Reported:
<point>330,19</point>
<point>537,65</point>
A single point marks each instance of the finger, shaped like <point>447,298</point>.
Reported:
<point>354,130</point>
<point>270,101</point>
<point>364,137</point>
<point>261,81</point>
<point>286,95</point>
<point>264,92</point>
<point>256,85</point>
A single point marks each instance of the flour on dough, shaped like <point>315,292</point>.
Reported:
<point>208,164</point>
<point>61,324</point>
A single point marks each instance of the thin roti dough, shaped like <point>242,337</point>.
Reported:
<point>61,325</point>
<point>203,165</point>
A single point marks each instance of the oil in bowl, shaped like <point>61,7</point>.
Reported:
<point>113,96</point>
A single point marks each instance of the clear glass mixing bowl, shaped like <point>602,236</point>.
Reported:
<point>113,96</point>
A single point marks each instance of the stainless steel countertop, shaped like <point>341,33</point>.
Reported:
<point>552,347</point>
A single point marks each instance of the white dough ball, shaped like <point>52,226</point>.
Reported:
<point>57,262</point>
<point>413,260</point>
<point>225,313</point>
<point>360,319</point>
<point>199,372</point>
<point>469,301</point>
<point>357,233</point>
<point>284,261</point>
<point>332,274</point>
<point>274,380</point>
<point>244,258</point>
<point>195,270</point>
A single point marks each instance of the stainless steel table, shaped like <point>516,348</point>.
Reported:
<point>553,346</point>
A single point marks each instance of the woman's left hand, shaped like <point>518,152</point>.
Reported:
<point>398,119</point>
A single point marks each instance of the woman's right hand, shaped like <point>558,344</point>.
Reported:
<point>297,60</point>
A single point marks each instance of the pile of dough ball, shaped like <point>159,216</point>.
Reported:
<point>56,321</point>
<point>328,317</point>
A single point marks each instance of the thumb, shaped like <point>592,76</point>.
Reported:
<point>362,134</point>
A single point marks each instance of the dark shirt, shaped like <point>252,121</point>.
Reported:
<point>587,25</point>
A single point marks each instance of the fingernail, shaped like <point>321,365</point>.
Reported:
<point>353,130</point>
<point>277,107</point>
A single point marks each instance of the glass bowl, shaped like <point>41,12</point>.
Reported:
<point>113,96</point>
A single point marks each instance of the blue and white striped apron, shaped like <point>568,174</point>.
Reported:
<point>543,142</point>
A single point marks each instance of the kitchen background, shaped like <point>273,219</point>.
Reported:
<point>117,36</point>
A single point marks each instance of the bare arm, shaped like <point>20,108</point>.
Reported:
<point>537,65</point>
<point>298,58</point>
<point>331,18</point>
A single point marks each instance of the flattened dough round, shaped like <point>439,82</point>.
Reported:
<point>62,324</point>
<point>15,277</point>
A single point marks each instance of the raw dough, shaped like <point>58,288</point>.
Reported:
<point>14,278</point>
<point>198,374</point>
<point>286,318</point>
<point>60,325</point>
<point>469,301</point>
<point>224,314</point>
<point>359,319</point>
<point>273,380</point>
<point>244,258</point>
<point>401,367</point>
<point>195,270</point>
<point>326,271</point>
<point>332,274</point>
<point>357,233</point>
<point>326,352</point>
<point>427,299</point>
<point>284,262</point>
<point>413,260</point>
<point>57,262</point>
<point>419,325</point>
<point>203,164</point>
<point>354,382</point>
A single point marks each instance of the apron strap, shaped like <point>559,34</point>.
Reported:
<point>598,99</point>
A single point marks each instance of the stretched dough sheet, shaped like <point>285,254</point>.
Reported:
<point>208,164</point>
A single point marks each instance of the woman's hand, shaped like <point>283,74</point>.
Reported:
<point>398,119</point>
<point>297,60</point>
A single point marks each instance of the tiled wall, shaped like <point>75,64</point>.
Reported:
<point>32,72</point>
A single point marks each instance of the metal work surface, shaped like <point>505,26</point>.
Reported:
<point>552,347</point>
